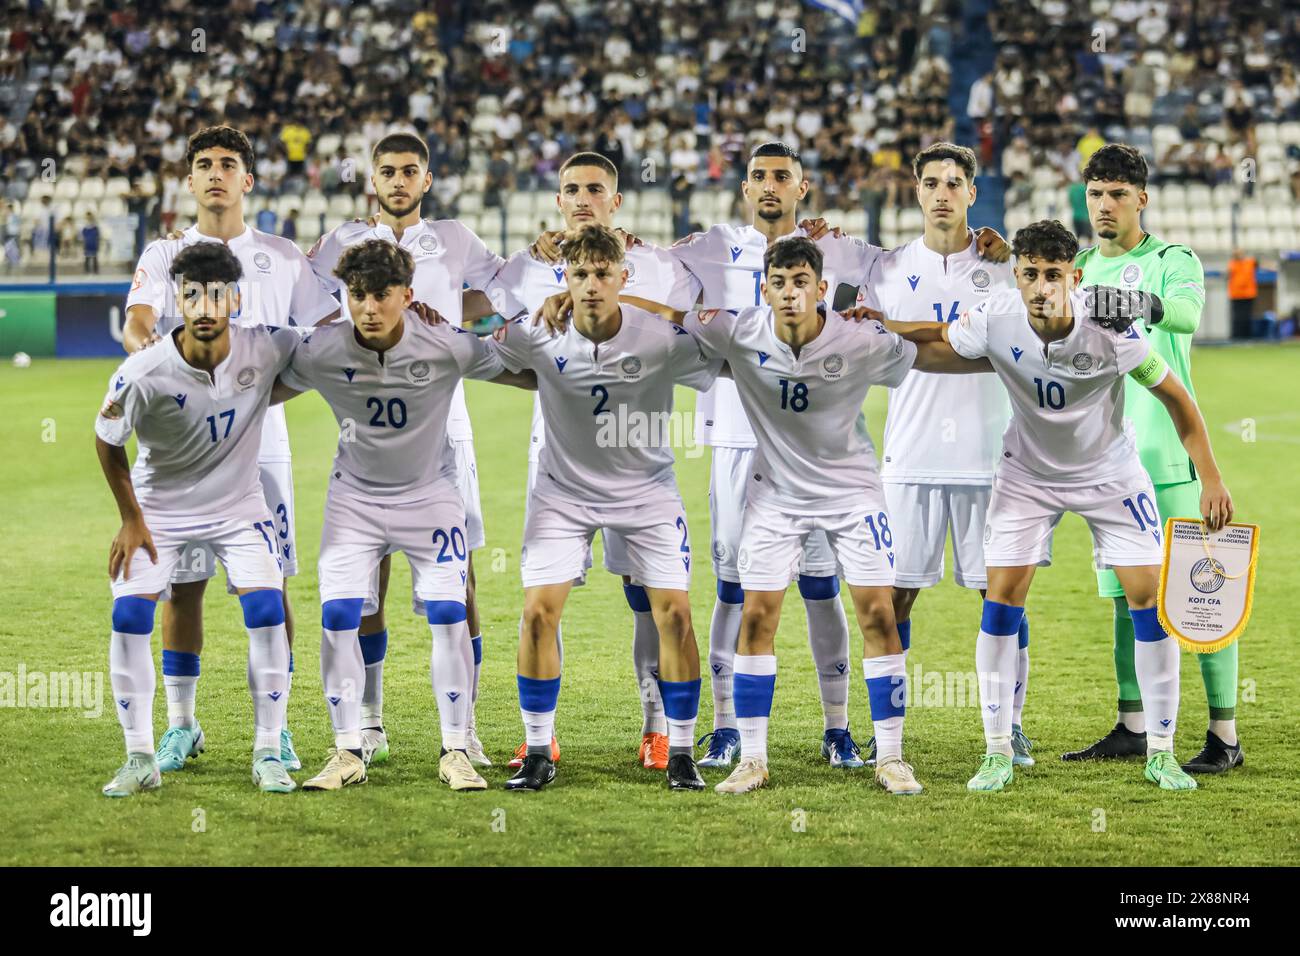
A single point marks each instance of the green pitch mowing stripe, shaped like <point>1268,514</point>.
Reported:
<point>604,808</point>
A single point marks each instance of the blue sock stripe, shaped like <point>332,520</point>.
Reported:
<point>538,696</point>
<point>291,662</point>
<point>1146,625</point>
<point>818,588</point>
<point>681,698</point>
<point>374,647</point>
<point>752,694</point>
<point>1001,620</point>
<point>180,664</point>
<point>445,612</point>
<point>729,592</point>
<point>477,644</point>
<point>637,599</point>
<point>905,634</point>
<point>341,614</point>
<point>1024,632</point>
<point>263,608</point>
<point>887,696</point>
<point>133,615</point>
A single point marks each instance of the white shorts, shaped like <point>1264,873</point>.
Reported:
<point>358,532</point>
<point>199,564</point>
<point>246,545</point>
<point>558,533</point>
<point>773,542</point>
<point>467,482</point>
<point>728,488</point>
<point>1023,514</point>
<point>923,514</point>
<point>619,559</point>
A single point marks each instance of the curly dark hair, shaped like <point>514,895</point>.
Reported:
<point>1047,240</point>
<point>222,137</point>
<point>795,251</point>
<point>938,152</point>
<point>1117,163</point>
<point>207,262</point>
<point>375,265</point>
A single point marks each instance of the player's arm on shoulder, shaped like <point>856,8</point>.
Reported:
<point>294,376</point>
<point>991,246</point>
<point>666,312</point>
<point>714,329</point>
<point>941,357</point>
<point>138,330</point>
<point>1216,503</point>
<point>475,305</point>
<point>310,302</point>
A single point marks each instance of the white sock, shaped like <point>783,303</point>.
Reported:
<point>180,699</point>
<point>372,699</point>
<point>995,665</point>
<point>757,703</point>
<point>645,661</point>
<point>539,728</point>
<point>1022,683</point>
<point>886,678</point>
<point>1135,721</point>
<point>1225,730</point>
<point>342,673</point>
<point>268,682</point>
<point>1156,663</point>
<point>724,632</point>
<point>828,637</point>
<point>451,668</point>
<point>476,653</point>
<point>132,677</point>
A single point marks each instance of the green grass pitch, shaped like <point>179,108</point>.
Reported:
<point>604,808</point>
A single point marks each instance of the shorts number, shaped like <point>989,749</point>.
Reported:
<point>265,537</point>
<point>457,541</point>
<point>283,512</point>
<point>681,524</point>
<point>795,399</point>
<point>1047,398</point>
<point>229,416</point>
<point>603,392</point>
<point>396,410</point>
<point>950,317</point>
<point>1144,513</point>
<point>883,533</point>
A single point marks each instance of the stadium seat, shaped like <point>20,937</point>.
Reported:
<point>283,205</point>
<point>1266,134</point>
<point>655,201</point>
<point>1252,215</point>
<point>82,206</point>
<point>1221,217</point>
<point>470,202</point>
<point>1173,194</point>
<point>889,219</point>
<point>1288,133</point>
<point>117,186</point>
<point>39,188</point>
<point>520,205</point>
<point>1198,196</point>
<point>313,205</point>
<point>187,207</point>
<point>340,204</point>
<point>1224,194</point>
<point>112,206</point>
<point>1175,218</point>
<point>1153,220</point>
<point>1256,240</point>
<point>1282,240</point>
<point>1209,241</point>
<point>1279,216</point>
<point>911,221</point>
<point>92,188</point>
<point>855,222</point>
<point>328,145</point>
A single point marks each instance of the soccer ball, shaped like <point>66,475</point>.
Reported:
<point>22,360</point>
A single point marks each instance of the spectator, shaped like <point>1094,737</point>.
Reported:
<point>1242,290</point>
<point>980,102</point>
<point>289,229</point>
<point>1089,143</point>
<point>90,243</point>
<point>266,220</point>
<point>1079,210</point>
<point>44,237</point>
<point>680,195</point>
<point>296,138</point>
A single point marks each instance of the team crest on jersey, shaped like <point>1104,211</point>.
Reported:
<point>140,276</point>
<point>262,261</point>
<point>418,372</point>
<point>428,242</point>
<point>719,551</point>
<point>630,368</point>
<point>832,367</point>
<point>980,279</point>
<point>742,560</point>
<point>988,533</point>
<point>1082,361</point>
<point>631,269</point>
<point>1132,274</point>
<point>245,378</point>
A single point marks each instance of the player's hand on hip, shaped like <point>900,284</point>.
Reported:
<point>816,228</point>
<point>991,246</point>
<point>861,313</point>
<point>547,247</point>
<point>1216,505</point>
<point>428,315</point>
<point>133,536</point>
<point>555,312</point>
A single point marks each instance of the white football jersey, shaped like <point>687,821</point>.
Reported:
<point>1067,398</point>
<point>608,407</point>
<point>198,435</point>
<point>726,266</point>
<point>941,429</point>
<point>814,454</point>
<point>448,258</point>
<point>524,283</point>
<point>394,440</point>
<point>277,288</point>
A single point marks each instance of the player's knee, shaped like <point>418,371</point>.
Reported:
<point>818,588</point>
<point>674,621</point>
<point>637,598</point>
<point>263,608</point>
<point>876,614</point>
<point>188,597</point>
<point>134,614</point>
<point>903,599</point>
<point>341,614</point>
<point>540,619</point>
<point>729,592</point>
<point>444,612</point>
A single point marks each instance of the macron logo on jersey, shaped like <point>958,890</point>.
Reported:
<point>453,695</point>
<point>349,372</point>
<point>912,281</point>
<point>560,362</point>
<point>762,359</point>
<point>559,274</point>
<point>735,252</point>
<point>1016,353</point>
<point>180,398</point>
<point>117,386</point>
<point>1132,332</point>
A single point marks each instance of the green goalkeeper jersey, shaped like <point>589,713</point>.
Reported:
<point>1174,273</point>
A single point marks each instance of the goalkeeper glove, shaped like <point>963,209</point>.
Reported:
<point>1118,309</point>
